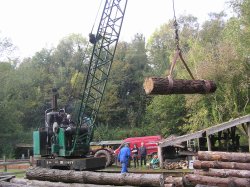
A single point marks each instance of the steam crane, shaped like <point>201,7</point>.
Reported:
<point>60,147</point>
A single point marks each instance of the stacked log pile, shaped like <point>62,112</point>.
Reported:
<point>182,164</point>
<point>220,169</point>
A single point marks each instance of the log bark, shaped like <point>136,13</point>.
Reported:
<point>175,181</point>
<point>216,181</point>
<point>101,178</point>
<point>224,156</point>
<point>164,86</point>
<point>168,185</point>
<point>202,185</point>
<point>26,182</point>
<point>224,173</point>
<point>8,184</point>
<point>220,165</point>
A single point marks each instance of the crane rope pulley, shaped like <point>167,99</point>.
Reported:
<point>178,50</point>
<point>92,37</point>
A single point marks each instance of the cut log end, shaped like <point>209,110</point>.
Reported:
<point>148,85</point>
<point>166,86</point>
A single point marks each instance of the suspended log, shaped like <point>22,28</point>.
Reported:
<point>224,173</point>
<point>101,178</point>
<point>164,86</point>
<point>26,182</point>
<point>224,156</point>
<point>220,165</point>
<point>192,179</point>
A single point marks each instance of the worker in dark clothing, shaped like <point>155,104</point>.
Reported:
<point>123,158</point>
<point>135,153</point>
<point>143,153</point>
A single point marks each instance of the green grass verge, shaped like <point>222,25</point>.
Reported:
<point>19,173</point>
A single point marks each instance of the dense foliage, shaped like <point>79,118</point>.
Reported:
<point>218,50</point>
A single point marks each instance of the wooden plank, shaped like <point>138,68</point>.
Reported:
<point>228,124</point>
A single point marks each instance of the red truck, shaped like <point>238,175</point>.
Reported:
<point>150,143</point>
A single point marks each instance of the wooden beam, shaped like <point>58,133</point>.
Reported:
<point>248,133</point>
<point>198,144</point>
<point>160,156</point>
<point>209,147</point>
<point>228,124</point>
<point>244,126</point>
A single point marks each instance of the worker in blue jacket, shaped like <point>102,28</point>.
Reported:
<point>124,157</point>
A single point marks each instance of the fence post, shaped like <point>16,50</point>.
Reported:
<point>5,166</point>
<point>31,160</point>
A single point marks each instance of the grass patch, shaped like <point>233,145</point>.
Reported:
<point>19,173</point>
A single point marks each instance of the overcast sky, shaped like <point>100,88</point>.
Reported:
<point>35,24</point>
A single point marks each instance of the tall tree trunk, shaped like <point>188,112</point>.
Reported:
<point>69,176</point>
<point>164,86</point>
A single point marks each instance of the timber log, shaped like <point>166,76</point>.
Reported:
<point>224,156</point>
<point>224,173</point>
<point>220,165</point>
<point>216,181</point>
<point>165,86</point>
<point>101,178</point>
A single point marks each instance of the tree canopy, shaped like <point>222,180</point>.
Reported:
<point>217,49</point>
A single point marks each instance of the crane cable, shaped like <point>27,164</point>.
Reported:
<point>178,51</point>
<point>82,57</point>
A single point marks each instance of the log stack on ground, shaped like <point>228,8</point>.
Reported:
<point>17,182</point>
<point>42,176</point>
<point>100,178</point>
<point>182,164</point>
<point>220,169</point>
<point>165,86</point>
